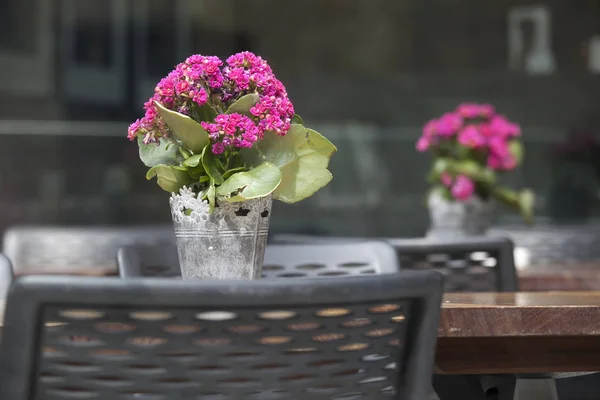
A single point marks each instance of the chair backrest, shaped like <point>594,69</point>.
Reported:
<point>73,337</point>
<point>91,250</point>
<point>6,275</point>
<point>281,261</point>
<point>469,264</point>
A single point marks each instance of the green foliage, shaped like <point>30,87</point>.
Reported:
<point>244,104</point>
<point>523,201</point>
<point>516,149</point>
<point>190,132</point>
<point>297,120</point>
<point>169,178</point>
<point>211,166</point>
<point>163,153</point>
<point>291,167</point>
<point>303,156</point>
<point>258,182</point>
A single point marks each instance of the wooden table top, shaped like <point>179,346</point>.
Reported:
<point>482,315</point>
<point>519,332</point>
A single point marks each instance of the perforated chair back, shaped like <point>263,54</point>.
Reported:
<point>75,250</point>
<point>6,275</point>
<point>281,261</point>
<point>469,264</point>
<point>473,264</point>
<point>369,337</point>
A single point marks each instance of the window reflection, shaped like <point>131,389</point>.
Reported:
<point>366,73</point>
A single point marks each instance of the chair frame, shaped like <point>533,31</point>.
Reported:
<point>130,263</point>
<point>29,295</point>
<point>506,273</point>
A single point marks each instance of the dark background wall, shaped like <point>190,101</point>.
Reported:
<point>367,73</point>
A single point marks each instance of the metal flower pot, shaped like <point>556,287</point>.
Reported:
<point>458,218</point>
<point>227,244</point>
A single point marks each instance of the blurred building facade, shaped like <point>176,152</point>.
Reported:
<point>366,73</point>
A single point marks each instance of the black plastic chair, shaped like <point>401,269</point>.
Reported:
<point>470,264</point>
<point>281,261</point>
<point>370,337</point>
<point>474,264</point>
<point>6,275</point>
<point>73,250</point>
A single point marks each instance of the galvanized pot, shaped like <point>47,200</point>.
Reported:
<point>457,218</point>
<point>227,244</point>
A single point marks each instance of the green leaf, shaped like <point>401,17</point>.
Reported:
<point>440,165</point>
<point>205,113</point>
<point>210,195</point>
<point>209,161</point>
<point>233,171</point>
<point>474,171</point>
<point>243,104</point>
<point>169,178</point>
<point>523,202</point>
<point>296,119</point>
<point>191,133</point>
<point>193,161</point>
<point>163,153</point>
<point>302,155</point>
<point>516,149</point>
<point>526,205</point>
<point>258,182</point>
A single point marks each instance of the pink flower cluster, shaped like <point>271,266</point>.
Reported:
<point>477,127</point>
<point>206,80</point>
<point>232,130</point>
<point>461,188</point>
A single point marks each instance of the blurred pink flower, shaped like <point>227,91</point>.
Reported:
<point>463,188</point>
<point>446,179</point>
<point>500,126</point>
<point>499,147</point>
<point>474,110</point>
<point>423,143</point>
<point>449,124</point>
<point>471,137</point>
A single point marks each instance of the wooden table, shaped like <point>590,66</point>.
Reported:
<point>573,276</point>
<point>500,333</point>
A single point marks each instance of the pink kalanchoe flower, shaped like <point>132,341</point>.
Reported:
<point>134,129</point>
<point>218,148</point>
<point>499,147</point>
<point>474,110</point>
<point>240,77</point>
<point>199,96</point>
<point>446,179</point>
<point>471,137</point>
<point>182,87</point>
<point>463,188</point>
<point>449,124</point>
<point>500,126</point>
<point>487,110</point>
<point>429,129</point>
<point>423,143</point>
<point>469,110</point>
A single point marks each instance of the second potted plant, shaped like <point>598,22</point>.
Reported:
<point>470,146</point>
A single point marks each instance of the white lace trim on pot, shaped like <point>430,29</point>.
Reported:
<point>187,207</point>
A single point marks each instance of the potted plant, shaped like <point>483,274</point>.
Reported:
<point>223,138</point>
<point>470,146</point>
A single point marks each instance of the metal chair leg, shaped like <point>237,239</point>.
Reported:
<point>538,389</point>
<point>458,387</point>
